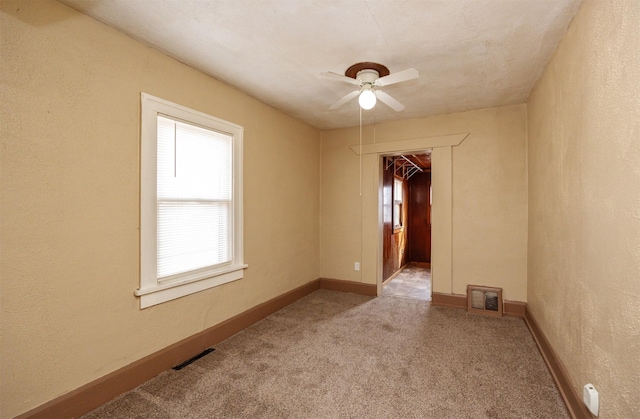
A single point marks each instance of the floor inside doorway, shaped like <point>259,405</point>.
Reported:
<point>414,281</point>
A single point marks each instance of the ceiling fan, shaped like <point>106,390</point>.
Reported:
<point>370,77</point>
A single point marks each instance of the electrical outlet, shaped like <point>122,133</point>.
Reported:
<point>591,399</point>
<point>356,266</point>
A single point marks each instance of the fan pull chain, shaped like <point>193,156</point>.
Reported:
<point>361,200</point>
<point>360,150</point>
<point>374,126</point>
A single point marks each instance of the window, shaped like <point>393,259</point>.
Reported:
<point>397,203</point>
<point>191,202</point>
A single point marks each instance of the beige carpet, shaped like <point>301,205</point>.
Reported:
<point>340,355</point>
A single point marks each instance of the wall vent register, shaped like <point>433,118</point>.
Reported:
<point>484,300</point>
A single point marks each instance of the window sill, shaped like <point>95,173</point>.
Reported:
<point>161,293</point>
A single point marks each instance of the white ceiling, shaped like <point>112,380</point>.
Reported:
<point>471,54</point>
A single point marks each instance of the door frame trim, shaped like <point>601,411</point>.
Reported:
<point>441,184</point>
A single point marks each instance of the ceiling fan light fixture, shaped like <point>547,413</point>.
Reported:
<point>367,99</point>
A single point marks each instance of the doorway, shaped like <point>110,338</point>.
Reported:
<point>406,206</point>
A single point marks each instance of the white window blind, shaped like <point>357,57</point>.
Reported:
<point>194,198</point>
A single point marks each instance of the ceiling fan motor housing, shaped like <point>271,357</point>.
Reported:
<point>367,76</point>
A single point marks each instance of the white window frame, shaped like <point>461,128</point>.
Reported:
<point>151,291</point>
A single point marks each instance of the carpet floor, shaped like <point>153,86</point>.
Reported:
<point>342,355</point>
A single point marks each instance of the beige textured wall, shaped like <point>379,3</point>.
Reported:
<point>489,185</point>
<point>70,136</point>
<point>584,214</point>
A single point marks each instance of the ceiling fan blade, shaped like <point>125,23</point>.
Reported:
<point>339,77</point>
<point>389,101</point>
<point>398,77</point>
<point>345,99</point>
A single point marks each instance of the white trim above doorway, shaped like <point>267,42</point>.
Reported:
<point>403,146</point>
